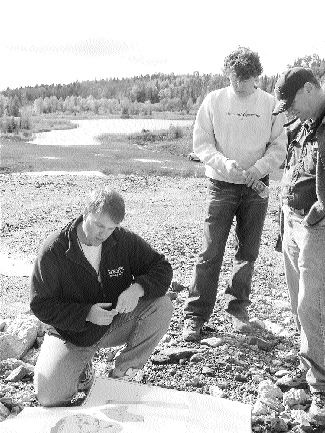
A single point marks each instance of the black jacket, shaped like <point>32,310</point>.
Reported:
<point>64,285</point>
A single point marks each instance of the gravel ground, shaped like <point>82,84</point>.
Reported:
<point>168,213</point>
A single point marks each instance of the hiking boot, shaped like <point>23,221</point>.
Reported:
<point>240,320</point>
<point>131,374</point>
<point>317,408</point>
<point>192,329</point>
<point>87,377</point>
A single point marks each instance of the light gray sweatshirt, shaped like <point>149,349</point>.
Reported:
<point>239,128</point>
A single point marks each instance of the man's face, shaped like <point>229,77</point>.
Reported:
<point>97,228</point>
<point>301,106</point>
<point>242,87</point>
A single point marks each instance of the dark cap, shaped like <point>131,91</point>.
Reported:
<point>288,85</point>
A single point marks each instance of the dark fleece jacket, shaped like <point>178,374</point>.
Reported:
<point>64,285</point>
<point>317,211</point>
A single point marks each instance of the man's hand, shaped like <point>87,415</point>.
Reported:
<point>99,315</point>
<point>252,175</point>
<point>128,300</point>
<point>234,171</point>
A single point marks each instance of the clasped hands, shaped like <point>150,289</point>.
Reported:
<point>101,314</point>
<point>250,176</point>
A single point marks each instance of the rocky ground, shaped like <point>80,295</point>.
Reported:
<point>168,212</point>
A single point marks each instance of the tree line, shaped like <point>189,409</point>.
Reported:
<point>139,95</point>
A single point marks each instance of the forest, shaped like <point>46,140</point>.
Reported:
<point>136,96</point>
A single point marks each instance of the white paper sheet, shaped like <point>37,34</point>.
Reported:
<point>114,406</point>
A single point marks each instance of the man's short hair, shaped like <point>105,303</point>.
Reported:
<point>244,62</point>
<point>107,201</point>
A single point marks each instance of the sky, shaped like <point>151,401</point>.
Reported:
<point>44,42</point>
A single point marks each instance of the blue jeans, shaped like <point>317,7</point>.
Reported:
<point>226,201</point>
<point>304,260</point>
<point>60,362</point>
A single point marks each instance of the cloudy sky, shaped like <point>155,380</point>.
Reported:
<point>64,41</point>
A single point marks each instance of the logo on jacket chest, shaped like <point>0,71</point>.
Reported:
<point>118,272</point>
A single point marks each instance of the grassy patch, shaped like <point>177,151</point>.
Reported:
<point>115,155</point>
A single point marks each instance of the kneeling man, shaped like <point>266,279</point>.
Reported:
<point>97,285</point>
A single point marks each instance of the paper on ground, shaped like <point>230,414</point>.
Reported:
<point>116,406</point>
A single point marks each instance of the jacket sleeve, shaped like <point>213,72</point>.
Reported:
<point>317,211</point>
<point>204,141</point>
<point>276,150</point>
<point>149,268</point>
<point>46,300</point>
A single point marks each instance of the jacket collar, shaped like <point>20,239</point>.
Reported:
<point>73,245</point>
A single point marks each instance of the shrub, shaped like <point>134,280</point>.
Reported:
<point>9,124</point>
<point>26,118</point>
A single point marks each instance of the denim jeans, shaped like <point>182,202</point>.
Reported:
<point>226,201</point>
<point>60,362</point>
<point>304,260</point>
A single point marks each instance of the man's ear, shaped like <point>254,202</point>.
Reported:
<point>308,87</point>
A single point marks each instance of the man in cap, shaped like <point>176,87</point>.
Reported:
<point>303,202</point>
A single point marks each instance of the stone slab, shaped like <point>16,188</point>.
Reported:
<point>128,407</point>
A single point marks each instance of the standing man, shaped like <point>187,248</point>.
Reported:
<point>303,204</point>
<point>240,142</point>
<point>97,285</point>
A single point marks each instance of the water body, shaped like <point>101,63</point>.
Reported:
<point>89,129</point>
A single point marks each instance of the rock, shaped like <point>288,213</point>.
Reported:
<point>18,374</point>
<point>208,371</point>
<point>240,378</point>
<point>215,391</point>
<point>196,381</point>
<point>274,328</point>
<point>32,355</point>
<point>268,389</point>
<point>281,373</point>
<point>25,327</point>
<point>276,363</point>
<point>3,324</point>
<point>177,287</point>
<point>10,346</point>
<point>9,364</point>
<point>260,408</point>
<point>197,357</point>
<point>177,353</point>
<point>301,417</point>
<point>294,397</point>
<point>4,412</point>
<point>257,323</point>
<point>38,342</point>
<point>222,384</point>
<point>212,342</point>
<point>260,343</point>
<point>290,356</point>
<point>278,425</point>
<point>172,295</point>
<point>172,342</point>
<point>287,381</point>
<point>160,359</point>
<point>257,378</point>
<point>166,338</point>
<point>270,395</point>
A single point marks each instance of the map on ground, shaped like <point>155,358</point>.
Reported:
<point>114,406</point>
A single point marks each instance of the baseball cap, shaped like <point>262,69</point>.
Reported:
<point>288,85</point>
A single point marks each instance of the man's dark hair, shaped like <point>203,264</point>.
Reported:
<point>107,201</point>
<point>244,63</point>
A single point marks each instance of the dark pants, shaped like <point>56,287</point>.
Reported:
<point>226,201</point>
